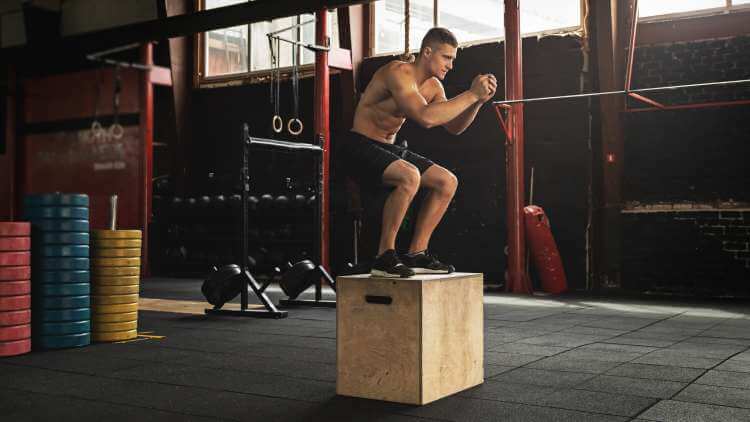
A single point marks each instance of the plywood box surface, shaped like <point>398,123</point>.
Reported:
<point>411,340</point>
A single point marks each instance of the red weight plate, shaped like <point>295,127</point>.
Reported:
<point>12,348</point>
<point>15,288</point>
<point>15,303</point>
<point>14,229</point>
<point>14,258</point>
<point>15,332</point>
<point>15,243</point>
<point>15,317</point>
<point>15,273</point>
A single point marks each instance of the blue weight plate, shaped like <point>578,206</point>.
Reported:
<point>76,251</point>
<point>63,213</point>
<point>61,264</point>
<point>61,315</point>
<point>60,199</point>
<point>60,302</point>
<point>62,289</point>
<point>62,238</point>
<point>62,328</point>
<point>56,277</point>
<point>59,225</point>
<point>60,342</point>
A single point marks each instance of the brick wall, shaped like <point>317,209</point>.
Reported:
<point>685,177</point>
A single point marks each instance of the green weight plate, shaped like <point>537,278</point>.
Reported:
<point>61,264</point>
<point>62,315</point>
<point>65,213</point>
<point>62,276</point>
<point>62,289</point>
<point>61,342</point>
<point>62,328</point>
<point>52,225</point>
<point>62,302</point>
<point>62,238</point>
<point>56,199</point>
<point>63,251</point>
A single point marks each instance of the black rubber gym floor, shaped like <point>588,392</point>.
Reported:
<point>555,359</point>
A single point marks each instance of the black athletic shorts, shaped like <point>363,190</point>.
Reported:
<point>366,159</point>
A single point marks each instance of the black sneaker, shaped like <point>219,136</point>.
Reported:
<point>424,263</point>
<point>388,265</point>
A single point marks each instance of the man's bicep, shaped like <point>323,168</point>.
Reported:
<point>407,96</point>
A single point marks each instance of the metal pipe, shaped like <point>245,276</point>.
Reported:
<point>517,279</point>
<point>322,128</point>
<point>296,25</point>
<point>313,47</point>
<point>596,94</point>
<point>631,52</point>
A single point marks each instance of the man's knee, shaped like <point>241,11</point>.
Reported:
<point>447,184</point>
<point>403,175</point>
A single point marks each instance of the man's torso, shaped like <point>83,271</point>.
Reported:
<point>378,116</point>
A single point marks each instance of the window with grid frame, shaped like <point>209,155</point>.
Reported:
<point>470,20</point>
<point>241,50</point>
<point>660,9</point>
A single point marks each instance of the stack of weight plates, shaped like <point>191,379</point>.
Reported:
<point>60,269</point>
<point>15,288</point>
<point>115,266</point>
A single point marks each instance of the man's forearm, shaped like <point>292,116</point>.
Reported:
<point>441,113</point>
<point>464,120</point>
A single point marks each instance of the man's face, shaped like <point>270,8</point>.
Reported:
<point>440,59</point>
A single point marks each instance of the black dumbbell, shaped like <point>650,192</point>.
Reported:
<point>252,203</point>
<point>266,202</point>
<point>300,201</point>
<point>281,203</point>
<point>312,201</point>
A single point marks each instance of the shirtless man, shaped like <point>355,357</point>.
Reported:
<point>397,91</point>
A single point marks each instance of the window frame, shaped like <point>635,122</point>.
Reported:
<point>728,8</point>
<point>200,80</point>
<point>435,20</point>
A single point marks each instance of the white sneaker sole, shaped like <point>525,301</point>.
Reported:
<point>378,273</point>
<point>418,270</point>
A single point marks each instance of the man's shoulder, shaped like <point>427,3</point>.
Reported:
<point>397,68</point>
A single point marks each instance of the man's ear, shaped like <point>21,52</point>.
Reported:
<point>427,51</point>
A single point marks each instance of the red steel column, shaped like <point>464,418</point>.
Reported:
<point>518,281</point>
<point>147,161</point>
<point>322,127</point>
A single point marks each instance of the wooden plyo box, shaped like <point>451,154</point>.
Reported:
<point>409,340</point>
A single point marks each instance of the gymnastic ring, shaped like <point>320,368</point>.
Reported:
<point>293,121</point>
<point>96,129</point>
<point>116,131</point>
<point>278,124</point>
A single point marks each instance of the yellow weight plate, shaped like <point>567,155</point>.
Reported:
<point>116,243</point>
<point>114,309</point>
<point>109,318</point>
<point>113,290</point>
<point>108,327</point>
<point>114,299</point>
<point>105,272</point>
<point>116,234</point>
<point>116,253</point>
<point>114,335</point>
<point>115,262</point>
<point>126,280</point>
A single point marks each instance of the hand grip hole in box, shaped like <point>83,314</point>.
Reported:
<point>381,300</point>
